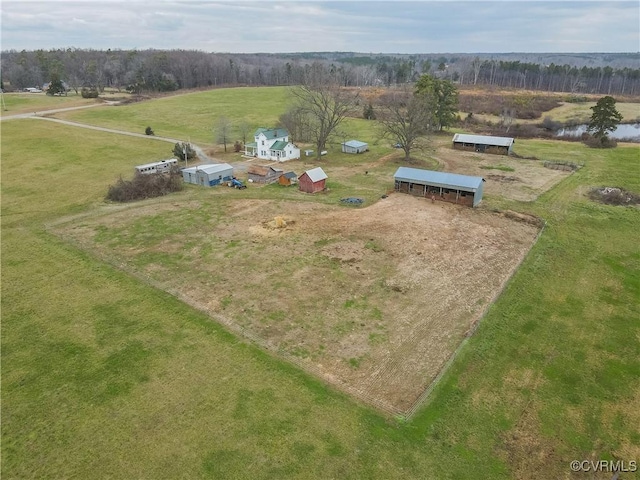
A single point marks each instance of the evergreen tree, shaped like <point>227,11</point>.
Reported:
<point>605,118</point>
<point>179,151</point>
<point>56,86</point>
<point>444,98</point>
<point>369,113</point>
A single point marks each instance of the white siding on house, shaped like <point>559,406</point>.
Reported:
<point>265,144</point>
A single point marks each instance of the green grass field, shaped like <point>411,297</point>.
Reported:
<point>192,115</point>
<point>16,103</point>
<point>106,377</point>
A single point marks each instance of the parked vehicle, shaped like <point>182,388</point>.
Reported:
<point>235,183</point>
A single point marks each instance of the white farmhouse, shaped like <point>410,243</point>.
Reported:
<point>272,144</point>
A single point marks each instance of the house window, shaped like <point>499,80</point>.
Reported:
<point>262,142</point>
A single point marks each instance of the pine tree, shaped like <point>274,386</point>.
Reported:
<point>56,86</point>
<point>605,118</point>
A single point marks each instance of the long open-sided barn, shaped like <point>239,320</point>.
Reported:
<point>448,187</point>
<point>483,143</point>
<point>313,180</point>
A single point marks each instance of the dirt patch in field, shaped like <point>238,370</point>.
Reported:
<point>373,300</point>
<point>512,178</point>
<point>614,196</point>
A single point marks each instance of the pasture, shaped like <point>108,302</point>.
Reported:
<point>373,300</point>
<point>17,103</point>
<point>104,375</point>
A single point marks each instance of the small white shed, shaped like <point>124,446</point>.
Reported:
<point>354,146</point>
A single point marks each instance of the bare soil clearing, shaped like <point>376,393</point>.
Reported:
<point>614,196</point>
<point>373,300</point>
<point>514,179</point>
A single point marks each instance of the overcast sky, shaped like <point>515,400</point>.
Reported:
<point>305,26</point>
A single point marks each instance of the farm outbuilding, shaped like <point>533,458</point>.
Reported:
<point>288,178</point>
<point>447,187</point>
<point>313,180</point>
<point>354,146</point>
<point>263,174</point>
<point>209,175</point>
<point>483,143</point>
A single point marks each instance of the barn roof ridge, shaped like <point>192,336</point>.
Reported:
<point>483,139</point>
<point>445,179</point>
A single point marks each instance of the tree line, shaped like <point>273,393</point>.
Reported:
<point>404,115</point>
<point>141,71</point>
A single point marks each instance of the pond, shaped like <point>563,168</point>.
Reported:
<point>630,131</point>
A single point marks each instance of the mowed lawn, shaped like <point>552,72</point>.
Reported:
<point>105,377</point>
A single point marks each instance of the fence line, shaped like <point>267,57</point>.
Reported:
<point>422,399</point>
<point>280,354</point>
<point>560,165</point>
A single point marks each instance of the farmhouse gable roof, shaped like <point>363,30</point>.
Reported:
<point>279,145</point>
<point>272,133</point>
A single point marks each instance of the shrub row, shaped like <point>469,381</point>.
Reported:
<point>145,186</point>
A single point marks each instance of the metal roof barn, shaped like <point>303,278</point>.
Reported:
<point>445,186</point>
<point>355,146</point>
<point>209,175</point>
<point>483,143</point>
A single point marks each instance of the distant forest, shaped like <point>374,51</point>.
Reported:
<point>141,71</point>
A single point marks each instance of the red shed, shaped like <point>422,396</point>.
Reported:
<point>313,180</point>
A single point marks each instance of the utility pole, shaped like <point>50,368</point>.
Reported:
<point>184,152</point>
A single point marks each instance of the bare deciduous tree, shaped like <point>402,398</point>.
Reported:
<point>506,117</point>
<point>405,117</point>
<point>325,106</point>
<point>244,129</point>
<point>223,131</point>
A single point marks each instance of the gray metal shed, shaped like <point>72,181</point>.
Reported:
<point>354,146</point>
<point>208,175</point>
<point>448,187</point>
